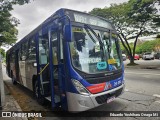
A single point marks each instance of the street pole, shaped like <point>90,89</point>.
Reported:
<point>1,85</point>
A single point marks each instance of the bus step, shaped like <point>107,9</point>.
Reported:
<point>56,98</point>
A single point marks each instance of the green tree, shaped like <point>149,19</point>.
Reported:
<point>131,19</point>
<point>8,31</point>
<point>156,18</point>
<point>149,46</point>
<point>2,52</point>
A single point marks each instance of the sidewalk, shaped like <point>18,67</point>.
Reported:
<point>10,103</point>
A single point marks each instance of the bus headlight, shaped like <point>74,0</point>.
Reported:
<point>80,88</point>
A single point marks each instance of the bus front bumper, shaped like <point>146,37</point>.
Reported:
<point>78,102</point>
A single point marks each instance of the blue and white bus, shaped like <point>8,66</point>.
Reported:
<point>73,59</point>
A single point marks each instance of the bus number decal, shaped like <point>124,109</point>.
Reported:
<point>117,83</point>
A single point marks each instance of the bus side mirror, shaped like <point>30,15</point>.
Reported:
<point>68,33</point>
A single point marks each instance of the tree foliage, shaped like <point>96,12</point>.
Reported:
<point>148,46</point>
<point>156,18</point>
<point>145,46</point>
<point>131,19</point>
<point>8,31</point>
<point>2,52</point>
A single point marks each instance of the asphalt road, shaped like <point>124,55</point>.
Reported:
<point>145,81</point>
<point>142,93</point>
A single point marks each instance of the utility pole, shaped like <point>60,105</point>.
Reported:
<point>1,85</point>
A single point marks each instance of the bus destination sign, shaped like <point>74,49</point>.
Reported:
<point>87,19</point>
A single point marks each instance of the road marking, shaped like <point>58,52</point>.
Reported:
<point>156,95</point>
<point>142,73</point>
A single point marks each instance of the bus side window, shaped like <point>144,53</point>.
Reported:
<point>32,50</point>
<point>24,51</point>
<point>12,60</point>
<point>12,57</point>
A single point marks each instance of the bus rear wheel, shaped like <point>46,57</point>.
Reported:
<point>39,97</point>
<point>13,79</point>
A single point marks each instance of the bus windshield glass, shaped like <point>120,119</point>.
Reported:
<point>94,51</point>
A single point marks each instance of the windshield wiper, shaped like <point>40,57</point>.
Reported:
<point>98,38</point>
<point>90,35</point>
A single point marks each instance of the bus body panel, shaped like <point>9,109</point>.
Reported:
<point>28,72</point>
<point>22,67</point>
<point>77,103</point>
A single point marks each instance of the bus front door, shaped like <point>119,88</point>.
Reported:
<point>48,68</point>
<point>42,86</point>
<point>56,68</point>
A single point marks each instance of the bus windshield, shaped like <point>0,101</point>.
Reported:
<point>94,51</point>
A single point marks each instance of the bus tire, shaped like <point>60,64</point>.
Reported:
<point>39,97</point>
<point>13,79</point>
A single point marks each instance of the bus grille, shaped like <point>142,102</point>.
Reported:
<point>103,79</point>
<point>103,98</point>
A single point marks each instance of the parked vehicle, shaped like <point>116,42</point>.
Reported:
<point>136,57</point>
<point>148,55</point>
<point>157,55</point>
<point>140,56</point>
<point>124,57</point>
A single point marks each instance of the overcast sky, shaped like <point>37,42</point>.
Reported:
<point>34,13</point>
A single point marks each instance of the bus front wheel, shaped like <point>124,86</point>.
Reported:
<point>39,97</point>
<point>14,80</point>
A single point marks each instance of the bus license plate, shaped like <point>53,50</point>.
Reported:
<point>110,99</point>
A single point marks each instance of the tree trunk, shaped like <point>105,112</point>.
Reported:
<point>131,58</point>
<point>135,43</point>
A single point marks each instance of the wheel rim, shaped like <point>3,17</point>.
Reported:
<point>36,89</point>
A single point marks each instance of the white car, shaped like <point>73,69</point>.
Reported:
<point>148,55</point>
